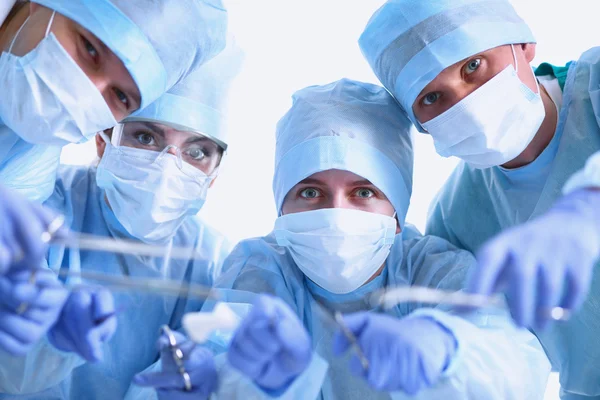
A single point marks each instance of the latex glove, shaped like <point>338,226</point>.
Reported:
<point>44,299</point>
<point>21,226</point>
<point>407,354</point>
<point>199,364</point>
<point>546,262</point>
<point>87,321</point>
<point>271,346</point>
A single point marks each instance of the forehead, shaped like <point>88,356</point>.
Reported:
<point>335,178</point>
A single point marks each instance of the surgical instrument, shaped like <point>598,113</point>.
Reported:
<point>390,297</point>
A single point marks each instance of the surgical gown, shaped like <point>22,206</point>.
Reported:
<point>474,205</point>
<point>46,373</point>
<point>494,361</point>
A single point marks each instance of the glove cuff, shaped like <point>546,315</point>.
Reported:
<point>447,324</point>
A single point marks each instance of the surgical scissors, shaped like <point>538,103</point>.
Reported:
<point>178,357</point>
<point>89,242</point>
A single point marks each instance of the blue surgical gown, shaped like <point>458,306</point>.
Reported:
<point>46,373</point>
<point>490,347</point>
<point>474,205</point>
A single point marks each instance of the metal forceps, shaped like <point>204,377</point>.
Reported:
<point>46,237</point>
<point>177,354</point>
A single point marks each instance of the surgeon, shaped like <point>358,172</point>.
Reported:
<point>72,68</point>
<point>521,136</point>
<point>343,178</point>
<point>153,177</point>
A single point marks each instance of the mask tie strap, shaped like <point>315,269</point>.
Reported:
<point>515,58</point>
<point>12,44</point>
<point>50,24</point>
<point>104,137</point>
<point>537,85</point>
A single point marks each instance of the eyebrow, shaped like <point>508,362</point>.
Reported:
<point>196,139</point>
<point>361,182</point>
<point>154,128</point>
<point>310,181</point>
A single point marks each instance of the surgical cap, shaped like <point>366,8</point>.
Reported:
<point>409,42</point>
<point>346,125</point>
<point>159,41</point>
<point>199,102</point>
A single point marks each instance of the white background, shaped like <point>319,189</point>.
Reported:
<point>293,44</point>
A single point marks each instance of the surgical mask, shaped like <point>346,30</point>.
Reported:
<point>492,125</point>
<point>47,98</point>
<point>150,193</point>
<point>337,248</point>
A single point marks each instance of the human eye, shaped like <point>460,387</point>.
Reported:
<point>197,153</point>
<point>90,49</point>
<point>122,98</point>
<point>364,193</point>
<point>310,193</point>
<point>431,98</point>
<point>145,138</point>
<point>472,66</point>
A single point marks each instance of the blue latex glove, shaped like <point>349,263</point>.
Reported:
<point>271,346</point>
<point>407,354</point>
<point>199,364</point>
<point>44,299</point>
<point>546,262</point>
<point>21,226</point>
<point>87,321</point>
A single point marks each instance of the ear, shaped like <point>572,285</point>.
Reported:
<point>213,182</point>
<point>100,144</point>
<point>398,229</point>
<point>529,51</point>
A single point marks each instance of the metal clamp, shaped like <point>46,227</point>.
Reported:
<point>177,357</point>
<point>46,237</point>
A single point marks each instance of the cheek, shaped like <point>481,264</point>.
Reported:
<point>384,208</point>
<point>291,206</point>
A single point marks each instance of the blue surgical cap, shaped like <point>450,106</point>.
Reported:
<point>160,41</point>
<point>409,42</point>
<point>199,102</point>
<point>346,125</point>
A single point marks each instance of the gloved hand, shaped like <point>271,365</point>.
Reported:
<point>546,262</point>
<point>406,354</point>
<point>21,226</point>
<point>43,301</point>
<point>87,321</point>
<point>169,384</point>
<point>271,346</point>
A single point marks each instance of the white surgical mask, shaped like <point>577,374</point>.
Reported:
<point>492,125</point>
<point>47,99</point>
<point>337,248</point>
<point>150,193</point>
